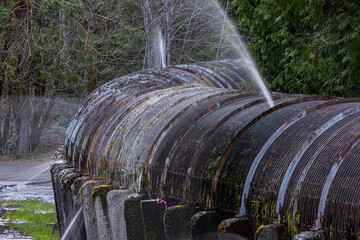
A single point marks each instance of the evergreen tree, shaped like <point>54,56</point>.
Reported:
<point>306,46</point>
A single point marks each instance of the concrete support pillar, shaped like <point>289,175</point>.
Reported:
<point>67,180</point>
<point>235,227</point>
<point>152,215</point>
<point>177,222</point>
<point>311,235</point>
<point>75,190</point>
<point>89,209</point>
<point>79,231</point>
<point>115,201</point>
<point>134,225</point>
<point>102,220</point>
<point>270,232</point>
<point>57,172</point>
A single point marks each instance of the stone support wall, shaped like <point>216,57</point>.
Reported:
<point>120,214</point>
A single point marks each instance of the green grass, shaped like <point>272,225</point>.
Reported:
<point>36,215</point>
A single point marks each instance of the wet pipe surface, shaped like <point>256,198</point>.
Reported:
<point>191,135</point>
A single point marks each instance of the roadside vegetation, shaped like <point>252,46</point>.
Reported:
<point>56,49</point>
<point>309,47</point>
<point>32,217</point>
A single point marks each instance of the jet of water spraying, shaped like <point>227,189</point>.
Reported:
<point>233,38</point>
<point>37,174</point>
<point>71,226</point>
<point>160,46</point>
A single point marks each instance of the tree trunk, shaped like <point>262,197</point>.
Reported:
<point>89,73</point>
<point>5,131</point>
<point>147,6</point>
<point>168,20</point>
<point>25,131</point>
<point>62,31</point>
<point>40,119</point>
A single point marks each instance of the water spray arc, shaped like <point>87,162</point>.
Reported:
<point>37,174</point>
<point>233,38</point>
<point>73,228</point>
<point>230,44</point>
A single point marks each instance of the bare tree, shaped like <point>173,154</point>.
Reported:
<point>192,30</point>
<point>168,27</point>
<point>148,16</point>
<point>222,31</point>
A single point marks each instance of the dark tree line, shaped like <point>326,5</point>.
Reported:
<point>305,46</point>
<point>66,48</point>
<point>52,48</point>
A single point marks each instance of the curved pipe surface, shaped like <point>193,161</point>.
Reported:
<point>192,136</point>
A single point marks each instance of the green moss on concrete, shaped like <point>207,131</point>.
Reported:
<point>101,190</point>
<point>258,230</point>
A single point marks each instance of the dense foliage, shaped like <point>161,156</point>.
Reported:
<point>53,48</point>
<point>66,48</point>
<point>305,46</point>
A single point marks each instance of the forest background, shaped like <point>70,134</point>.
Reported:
<point>54,52</point>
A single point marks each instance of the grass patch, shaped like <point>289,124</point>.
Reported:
<point>36,215</point>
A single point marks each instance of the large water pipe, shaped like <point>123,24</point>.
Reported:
<point>191,134</point>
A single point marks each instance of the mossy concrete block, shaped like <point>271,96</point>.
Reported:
<point>204,224</point>
<point>101,210</point>
<point>67,180</point>
<point>235,227</point>
<point>115,201</point>
<point>311,235</point>
<point>80,230</point>
<point>75,190</point>
<point>89,209</point>
<point>132,212</point>
<point>177,222</point>
<point>271,232</point>
<point>58,171</point>
<point>54,171</point>
<point>152,215</point>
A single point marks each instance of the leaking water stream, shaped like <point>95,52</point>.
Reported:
<point>230,41</point>
<point>25,180</point>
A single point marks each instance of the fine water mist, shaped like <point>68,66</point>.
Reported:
<point>202,31</point>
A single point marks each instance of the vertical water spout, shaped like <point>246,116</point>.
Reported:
<point>160,47</point>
